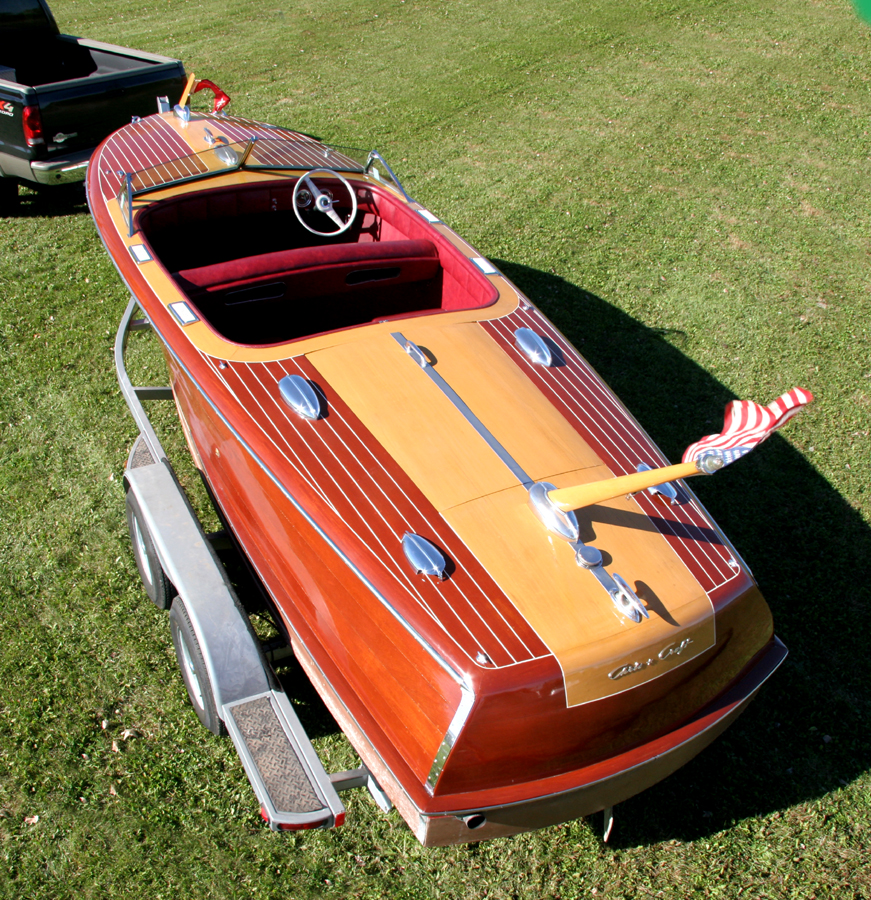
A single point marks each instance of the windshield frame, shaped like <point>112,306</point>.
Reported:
<point>255,154</point>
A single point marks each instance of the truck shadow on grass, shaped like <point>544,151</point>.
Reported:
<point>807,733</point>
<point>50,202</point>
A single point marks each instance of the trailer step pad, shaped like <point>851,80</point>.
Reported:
<point>140,455</point>
<point>281,763</point>
<point>283,775</point>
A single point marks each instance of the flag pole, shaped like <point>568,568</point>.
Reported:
<point>746,425</point>
<point>187,90</point>
<point>597,491</point>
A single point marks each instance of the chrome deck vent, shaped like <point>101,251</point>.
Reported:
<point>300,396</point>
<point>533,347</point>
<point>425,559</point>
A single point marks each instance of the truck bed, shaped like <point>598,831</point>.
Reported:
<point>66,58</point>
<point>76,90</point>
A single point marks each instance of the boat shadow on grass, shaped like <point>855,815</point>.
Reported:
<point>808,733</point>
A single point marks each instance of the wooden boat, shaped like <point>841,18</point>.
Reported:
<point>384,421</point>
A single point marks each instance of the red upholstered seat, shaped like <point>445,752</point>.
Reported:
<point>418,258</point>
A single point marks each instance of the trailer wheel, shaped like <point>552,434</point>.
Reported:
<point>193,667</point>
<point>158,587</point>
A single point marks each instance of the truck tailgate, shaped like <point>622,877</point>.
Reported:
<point>78,114</point>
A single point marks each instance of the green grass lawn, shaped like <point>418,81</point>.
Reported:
<point>682,185</point>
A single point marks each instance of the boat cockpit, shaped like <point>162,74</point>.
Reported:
<point>294,255</point>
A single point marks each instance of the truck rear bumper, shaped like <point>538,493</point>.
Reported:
<point>71,167</point>
<point>62,171</point>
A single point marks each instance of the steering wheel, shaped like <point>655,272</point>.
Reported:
<point>306,195</point>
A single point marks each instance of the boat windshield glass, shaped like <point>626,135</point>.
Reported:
<point>262,153</point>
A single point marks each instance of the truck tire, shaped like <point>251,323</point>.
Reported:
<point>158,587</point>
<point>8,197</point>
<point>193,668</point>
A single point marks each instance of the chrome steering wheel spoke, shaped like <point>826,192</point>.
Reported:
<point>322,201</point>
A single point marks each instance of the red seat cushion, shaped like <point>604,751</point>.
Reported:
<point>284,262</point>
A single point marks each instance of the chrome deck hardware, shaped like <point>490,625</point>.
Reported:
<point>625,600</point>
<point>300,396</point>
<point>423,556</point>
<point>125,200</point>
<point>371,169</point>
<point>667,490</point>
<point>533,347</point>
<point>563,524</point>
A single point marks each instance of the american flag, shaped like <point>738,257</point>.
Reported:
<point>748,424</point>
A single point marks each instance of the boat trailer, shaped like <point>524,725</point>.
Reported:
<point>224,665</point>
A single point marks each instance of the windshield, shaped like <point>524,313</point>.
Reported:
<point>258,153</point>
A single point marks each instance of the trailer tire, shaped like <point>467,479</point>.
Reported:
<point>193,668</point>
<point>159,588</point>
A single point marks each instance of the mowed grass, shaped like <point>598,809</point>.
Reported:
<point>683,187</point>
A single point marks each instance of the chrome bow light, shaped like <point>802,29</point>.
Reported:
<point>425,559</point>
<point>533,346</point>
<point>300,396</point>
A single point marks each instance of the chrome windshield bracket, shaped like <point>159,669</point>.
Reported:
<point>125,200</point>
<point>247,152</point>
<point>375,155</point>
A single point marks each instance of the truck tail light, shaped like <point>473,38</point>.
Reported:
<point>32,122</point>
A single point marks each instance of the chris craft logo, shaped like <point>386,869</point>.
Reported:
<point>672,649</point>
<point>6,108</point>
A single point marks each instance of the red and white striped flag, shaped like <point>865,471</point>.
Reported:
<point>748,424</point>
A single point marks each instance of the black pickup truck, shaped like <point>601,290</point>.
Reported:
<point>61,95</point>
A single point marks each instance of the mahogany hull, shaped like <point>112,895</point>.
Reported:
<point>476,695</point>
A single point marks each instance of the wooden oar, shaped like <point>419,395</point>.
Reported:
<point>595,492</point>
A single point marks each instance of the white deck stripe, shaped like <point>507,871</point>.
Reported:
<point>576,387</point>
